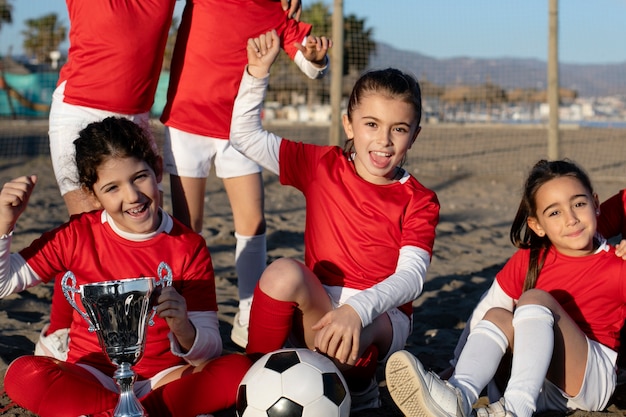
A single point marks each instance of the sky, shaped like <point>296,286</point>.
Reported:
<point>590,32</point>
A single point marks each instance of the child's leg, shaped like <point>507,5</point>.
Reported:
<point>289,300</point>
<point>549,339</point>
<point>481,355</point>
<point>207,390</point>
<point>49,387</point>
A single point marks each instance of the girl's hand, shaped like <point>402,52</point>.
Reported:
<point>315,49</point>
<point>13,201</point>
<point>262,53</point>
<point>620,249</point>
<point>338,334</point>
<point>294,7</point>
<point>172,307</point>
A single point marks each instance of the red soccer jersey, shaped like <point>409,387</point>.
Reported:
<point>355,229</point>
<point>590,288</point>
<point>116,53</point>
<point>612,220</point>
<point>94,253</point>
<point>210,55</point>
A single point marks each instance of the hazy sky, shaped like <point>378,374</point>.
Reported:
<point>589,31</point>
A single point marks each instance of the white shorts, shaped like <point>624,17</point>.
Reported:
<point>190,155</point>
<point>401,324</point>
<point>597,388</point>
<point>140,388</point>
<point>66,121</point>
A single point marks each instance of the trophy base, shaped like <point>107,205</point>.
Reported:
<point>128,404</point>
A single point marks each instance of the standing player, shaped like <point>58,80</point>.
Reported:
<point>209,56</point>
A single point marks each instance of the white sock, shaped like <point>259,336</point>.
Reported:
<point>479,361</point>
<point>533,347</point>
<point>250,262</point>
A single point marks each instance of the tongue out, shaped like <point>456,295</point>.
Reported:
<point>378,159</point>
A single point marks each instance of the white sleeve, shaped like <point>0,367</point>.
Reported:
<point>403,286</point>
<point>493,297</point>
<point>308,68</point>
<point>246,132</point>
<point>208,342</point>
<point>15,274</point>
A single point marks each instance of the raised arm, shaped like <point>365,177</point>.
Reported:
<point>13,201</point>
<point>246,132</point>
<point>15,274</point>
<point>312,56</point>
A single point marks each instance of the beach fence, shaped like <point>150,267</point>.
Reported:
<point>480,116</point>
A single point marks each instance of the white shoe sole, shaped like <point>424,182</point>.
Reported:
<point>407,387</point>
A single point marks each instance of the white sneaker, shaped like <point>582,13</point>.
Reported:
<point>495,409</point>
<point>239,334</point>
<point>55,345</point>
<point>418,393</point>
<point>367,399</point>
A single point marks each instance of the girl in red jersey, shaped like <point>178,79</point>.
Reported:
<point>370,226</point>
<point>557,307</point>
<point>129,237</point>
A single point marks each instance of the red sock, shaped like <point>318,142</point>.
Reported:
<point>270,323</point>
<point>359,376</point>
<point>61,310</point>
<point>49,387</point>
<point>212,389</point>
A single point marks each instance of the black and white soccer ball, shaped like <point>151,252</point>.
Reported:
<point>293,383</point>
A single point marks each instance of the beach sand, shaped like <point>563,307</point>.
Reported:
<point>478,185</point>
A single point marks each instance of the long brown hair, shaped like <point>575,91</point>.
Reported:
<point>523,236</point>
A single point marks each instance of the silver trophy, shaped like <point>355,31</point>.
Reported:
<point>119,312</point>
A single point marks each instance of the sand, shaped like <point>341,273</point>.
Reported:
<point>477,173</point>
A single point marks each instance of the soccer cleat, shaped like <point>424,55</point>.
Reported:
<point>418,393</point>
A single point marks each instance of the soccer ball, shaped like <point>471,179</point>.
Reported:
<point>293,383</point>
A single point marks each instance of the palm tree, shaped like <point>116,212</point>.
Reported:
<point>42,36</point>
<point>5,12</point>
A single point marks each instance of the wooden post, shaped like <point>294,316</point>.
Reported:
<point>553,80</point>
<point>336,74</point>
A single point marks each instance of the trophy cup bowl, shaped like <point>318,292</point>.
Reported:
<point>119,312</point>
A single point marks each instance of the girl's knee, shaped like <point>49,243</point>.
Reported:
<point>283,276</point>
<point>538,297</point>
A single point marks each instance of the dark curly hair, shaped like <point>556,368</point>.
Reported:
<point>113,137</point>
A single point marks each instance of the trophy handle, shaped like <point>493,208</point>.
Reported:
<point>70,291</point>
<point>166,280</point>
<point>161,280</point>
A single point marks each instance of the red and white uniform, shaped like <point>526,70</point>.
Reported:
<point>612,219</point>
<point>116,53</point>
<point>374,238</point>
<point>592,289</point>
<point>210,54</point>
<point>355,229</point>
<point>90,247</point>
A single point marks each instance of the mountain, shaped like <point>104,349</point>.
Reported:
<point>589,80</point>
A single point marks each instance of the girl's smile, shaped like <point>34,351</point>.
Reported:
<point>127,189</point>
<point>566,213</point>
